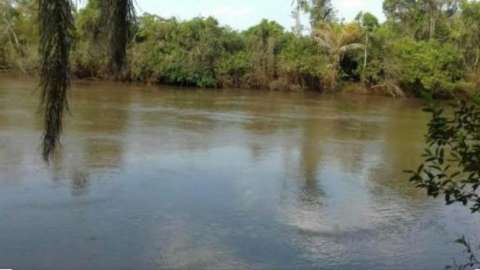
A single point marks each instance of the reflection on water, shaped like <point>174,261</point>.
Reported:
<point>162,178</point>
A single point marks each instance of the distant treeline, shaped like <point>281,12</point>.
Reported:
<point>425,47</point>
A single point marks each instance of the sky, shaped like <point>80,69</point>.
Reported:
<point>241,14</point>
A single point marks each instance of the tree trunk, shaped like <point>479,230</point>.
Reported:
<point>432,27</point>
<point>477,59</point>
<point>365,58</point>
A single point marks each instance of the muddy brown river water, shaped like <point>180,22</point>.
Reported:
<point>168,178</point>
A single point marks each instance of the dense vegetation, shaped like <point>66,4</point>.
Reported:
<point>425,47</point>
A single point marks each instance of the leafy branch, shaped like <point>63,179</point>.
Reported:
<point>451,165</point>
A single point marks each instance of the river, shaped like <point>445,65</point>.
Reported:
<point>167,178</point>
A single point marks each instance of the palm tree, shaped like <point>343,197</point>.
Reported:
<point>337,40</point>
<point>56,26</point>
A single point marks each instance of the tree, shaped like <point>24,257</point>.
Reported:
<point>470,33</point>
<point>420,18</point>
<point>320,11</point>
<point>299,6</point>
<point>7,12</point>
<point>434,12</point>
<point>403,13</point>
<point>89,58</point>
<point>337,40</point>
<point>264,43</point>
<point>303,63</point>
<point>184,53</point>
<point>369,24</point>
<point>426,68</point>
<point>16,34</point>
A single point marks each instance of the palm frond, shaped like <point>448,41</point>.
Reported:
<point>56,31</point>
<point>351,47</point>
<point>121,19</point>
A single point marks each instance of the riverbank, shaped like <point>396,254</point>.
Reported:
<point>351,88</point>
